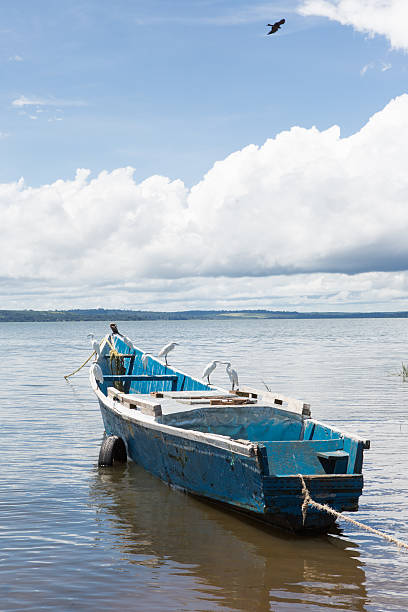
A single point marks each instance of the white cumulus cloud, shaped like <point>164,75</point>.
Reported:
<point>299,214</point>
<point>385,17</point>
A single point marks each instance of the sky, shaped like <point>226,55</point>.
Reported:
<point>170,155</point>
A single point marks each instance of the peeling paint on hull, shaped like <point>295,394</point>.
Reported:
<point>244,450</point>
<point>195,467</point>
<point>233,479</point>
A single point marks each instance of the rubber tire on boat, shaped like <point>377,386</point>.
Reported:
<point>113,450</point>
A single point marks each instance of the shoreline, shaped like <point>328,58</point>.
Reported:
<point>43,316</point>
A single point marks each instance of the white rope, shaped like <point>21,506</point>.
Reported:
<point>308,501</point>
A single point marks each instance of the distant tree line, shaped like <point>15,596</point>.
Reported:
<point>102,314</point>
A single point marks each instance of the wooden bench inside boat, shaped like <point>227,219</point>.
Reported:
<point>136,402</point>
<point>287,403</point>
<point>202,398</point>
<point>148,405</point>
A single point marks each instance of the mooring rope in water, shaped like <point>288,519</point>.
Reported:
<point>113,350</point>
<point>80,367</point>
<point>114,354</point>
<point>309,501</point>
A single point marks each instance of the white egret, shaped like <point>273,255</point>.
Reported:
<point>97,372</point>
<point>233,375</point>
<point>95,345</point>
<point>144,359</point>
<point>209,368</point>
<point>166,350</point>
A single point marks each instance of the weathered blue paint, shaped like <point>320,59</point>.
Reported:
<point>283,499</point>
<point>196,467</point>
<point>318,431</point>
<point>248,422</point>
<point>248,457</point>
<point>142,378</point>
<point>154,367</point>
<point>299,456</point>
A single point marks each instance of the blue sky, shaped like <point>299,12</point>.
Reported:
<point>177,91</point>
<point>171,87</point>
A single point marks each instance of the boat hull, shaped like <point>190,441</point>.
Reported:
<point>196,467</point>
<point>239,481</point>
<point>284,498</point>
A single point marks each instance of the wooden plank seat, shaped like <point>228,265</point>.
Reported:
<point>287,403</point>
<point>182,395</point>
<point>241,393</point>
<point>232,401</point>
<point>136,402</point>
<point>214,401</point>
<point>199,398</point>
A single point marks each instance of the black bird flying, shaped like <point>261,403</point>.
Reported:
<point>275,26</point>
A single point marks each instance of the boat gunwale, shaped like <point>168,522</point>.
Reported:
<point>344,434</point>
<point>247,448</point>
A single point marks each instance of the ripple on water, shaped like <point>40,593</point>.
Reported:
<point>75,537</point>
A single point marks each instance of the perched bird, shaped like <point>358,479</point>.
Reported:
<point>125,339</point>
<point>114,329</point>
<point>166,350</point>
<point>275,26</point>
<point>95,345</point>
<point>233,375</point>
<point>209,368</point>
<point>95,375</point>
<point>97,372</point>
<point>144,359</point>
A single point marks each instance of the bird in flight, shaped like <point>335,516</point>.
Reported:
<point>275,26</point>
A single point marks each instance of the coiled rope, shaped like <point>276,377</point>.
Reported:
<point>111,346</point>
<point>308,501</point>
<point>116,364</point>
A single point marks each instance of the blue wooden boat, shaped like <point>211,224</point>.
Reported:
<point>245,449</point>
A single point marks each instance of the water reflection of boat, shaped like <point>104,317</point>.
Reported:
<point>244,448</point>
<point>247,567</point>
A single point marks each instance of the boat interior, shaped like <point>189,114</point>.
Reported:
<point>292,442</point>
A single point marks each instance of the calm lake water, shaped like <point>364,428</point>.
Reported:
<point>75,537</point>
